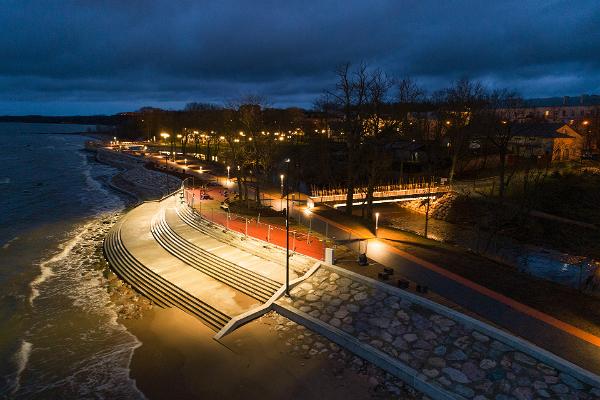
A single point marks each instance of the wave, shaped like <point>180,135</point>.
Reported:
<point>97,350</point>
<point>97,185</point>
<point>21,359</point>
<point>9,242</point>
<point>45,268</point>
<point>4,181</point>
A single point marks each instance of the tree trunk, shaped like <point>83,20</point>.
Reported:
<point>370,191</point>
<point>350,183</point>
<point>502,174</point>
<point>257,191</point>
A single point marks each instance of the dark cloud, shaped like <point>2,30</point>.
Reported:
<point>107,56</point>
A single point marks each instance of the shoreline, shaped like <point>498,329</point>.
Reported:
<point>269,358</point>
<point>134,179</point>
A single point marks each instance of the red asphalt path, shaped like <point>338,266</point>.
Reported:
<point>300,242</point>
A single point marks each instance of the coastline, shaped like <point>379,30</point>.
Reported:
<point>134,179</point>
<point>270,358</point>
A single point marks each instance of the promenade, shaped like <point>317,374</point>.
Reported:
<point>570,342</point>
<point>165,250</point>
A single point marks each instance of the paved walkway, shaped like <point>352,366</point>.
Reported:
<point>138,239</point>
<point>448,352</point>
<point>244,259</point>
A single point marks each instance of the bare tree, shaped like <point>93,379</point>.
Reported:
<point>459,103</point>
<point>500,131</point>
<point>350,95</point>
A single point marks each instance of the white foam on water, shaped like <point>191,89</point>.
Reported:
<point>102,348</point>
<point>97,352</point>
<point>4,181</point>
<point>8,243</point>
<point>46,268</point>
<point>21,358</point>
<point>96,188</point>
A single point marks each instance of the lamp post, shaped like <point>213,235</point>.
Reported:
<point>287,231</point>
<point>308,213</point>
<point>228,168</point>
<point>376,223</point>
<point>281,178</point>
<point>165,136</point>
<point>179,136</point>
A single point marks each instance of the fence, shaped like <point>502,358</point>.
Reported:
<point>300,242</point>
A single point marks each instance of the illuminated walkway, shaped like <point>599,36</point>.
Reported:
<point>220,276</point>
<point>214,278</point>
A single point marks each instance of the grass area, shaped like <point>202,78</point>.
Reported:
<point>568,194</point>
<point>249,208</point>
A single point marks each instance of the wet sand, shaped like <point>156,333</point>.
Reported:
<point>179,360</point>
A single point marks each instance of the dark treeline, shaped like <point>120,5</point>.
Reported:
<point>350,138</point>
<point>107,120</point>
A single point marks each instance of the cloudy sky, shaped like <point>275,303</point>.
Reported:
<point>83,57</point>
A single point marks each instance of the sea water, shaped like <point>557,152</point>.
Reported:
<point>59,334</point>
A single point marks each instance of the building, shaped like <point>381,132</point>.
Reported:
<point>568,110</point>
<point>551,141</point>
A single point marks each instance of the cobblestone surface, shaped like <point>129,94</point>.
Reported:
<point>305,344</point>
<point>459,359</point>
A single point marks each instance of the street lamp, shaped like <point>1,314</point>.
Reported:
<point>308,213</point>
<point>173,144</point>
<point>228,168</point>
<point>376,223</point>
<point>287,231</point>
<point>281,178</point>
<point>165,136</point>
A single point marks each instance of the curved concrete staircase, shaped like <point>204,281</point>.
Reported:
<point>252,246</point>
<point>239,278</point>
<point>155,287</point>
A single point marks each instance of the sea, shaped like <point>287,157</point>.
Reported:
<point>59,333</point>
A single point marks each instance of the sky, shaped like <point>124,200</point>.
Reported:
<point>97,57</point>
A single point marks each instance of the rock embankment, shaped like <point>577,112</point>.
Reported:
<point>451,354</point>
<point>439,208</point>
<point>136,180</point>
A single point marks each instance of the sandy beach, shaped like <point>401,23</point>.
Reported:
<point>178,359</point>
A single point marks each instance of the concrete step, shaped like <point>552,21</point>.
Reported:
<point>244,280</point>
<point>253,246</point>
<point>154,286</point>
